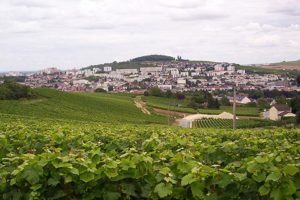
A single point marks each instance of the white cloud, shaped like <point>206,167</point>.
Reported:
<point>265,40</point>
<point>77,33</point>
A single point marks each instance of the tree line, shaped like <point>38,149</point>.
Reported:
<point>196,100</point>
<point>10,90</point>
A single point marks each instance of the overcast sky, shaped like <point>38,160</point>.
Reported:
<point>36,34</point>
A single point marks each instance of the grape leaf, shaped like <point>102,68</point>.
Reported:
<point>163,189</point>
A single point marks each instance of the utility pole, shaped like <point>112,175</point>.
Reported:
<point>234,102</point>
<point>169,113</point>
<point>234,107</point>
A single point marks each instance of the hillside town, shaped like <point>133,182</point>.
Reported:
<point>176,76</point>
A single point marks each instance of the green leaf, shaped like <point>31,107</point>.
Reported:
<point>253,167</point>
<point>36,187</point>
<point>274,176</point>
<point>225,180</point>
<point>52,182</point>
<point>164,170</point>
<point>276,194</point>
<point>188,179</point>
<point>264,190</point>
<point>87,176</point>
<point>240,176</point>
<point>261,159</point>
<point>31,176</point>
<point>290,170</point>
<point>74,171</point>
<point>163,189</point>
<point>197,189</point>
<point>111,196</point>
<point>260,177</point>
<point>290,188</point>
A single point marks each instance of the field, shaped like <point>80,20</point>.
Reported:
<point>88,160</point>
<point>227,123</point>
<point>96,107</point>
<point>163,103</point>
<point>268,70</point>
<point>100,146</point>
<point>289,65</point>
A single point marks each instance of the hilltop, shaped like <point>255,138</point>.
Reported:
<point>135,63</point>
<point>284,65</point>
<point>153,58</point>
<point>150,61</point>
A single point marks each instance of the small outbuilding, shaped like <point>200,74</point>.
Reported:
<point>187,122</point>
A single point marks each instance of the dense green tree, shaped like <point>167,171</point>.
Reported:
<point>262,104</point>
<point>110,88</point>
<point>11,90</point>
<point>100,90</point>
<point>155,91</point>
<point>255,94</point>
<point>168,94</point>
<point>298,117</point>
<point>153,58</point>
<point>298,80</point>
<point>194,105</point>
<point>281,100</point>
<point>198,99</point>
<point>213,103</point>
<point>180,96</point>
<point>295,104</point>
<point>146,93</point>
<point>225,101</point>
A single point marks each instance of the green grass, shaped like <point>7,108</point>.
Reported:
<point>163,103</point>
<point>95,107</point>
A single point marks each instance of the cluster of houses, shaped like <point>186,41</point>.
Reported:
<point>177,76</point>
<point>167,75</point>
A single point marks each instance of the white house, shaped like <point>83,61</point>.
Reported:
<point>219,67</point>
<point>107,68</point>
<point>231,68</point>
<point>165,87</point>
<point>181,82</point>
<point>277,112</point>
<point>244,100</point>
<point>240,100</point>
<point>127,71</point>
<point>150,70</point>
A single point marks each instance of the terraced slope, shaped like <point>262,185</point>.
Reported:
<point>53,104</point>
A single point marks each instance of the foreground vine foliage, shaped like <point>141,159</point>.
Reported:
<point>75,160</point>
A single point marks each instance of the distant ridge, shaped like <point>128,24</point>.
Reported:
<point>154,57</point>
<point>134,63</point>
<point>284,65</point>
<point>287,63</point>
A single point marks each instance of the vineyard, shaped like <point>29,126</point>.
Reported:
<point>227,123</point>
<point>53,104</point>
<point>43,159</point>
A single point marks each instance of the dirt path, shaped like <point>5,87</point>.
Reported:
<point>172,113</point>
<point>141,105</point>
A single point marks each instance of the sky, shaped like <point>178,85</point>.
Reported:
<point>37,34</point>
